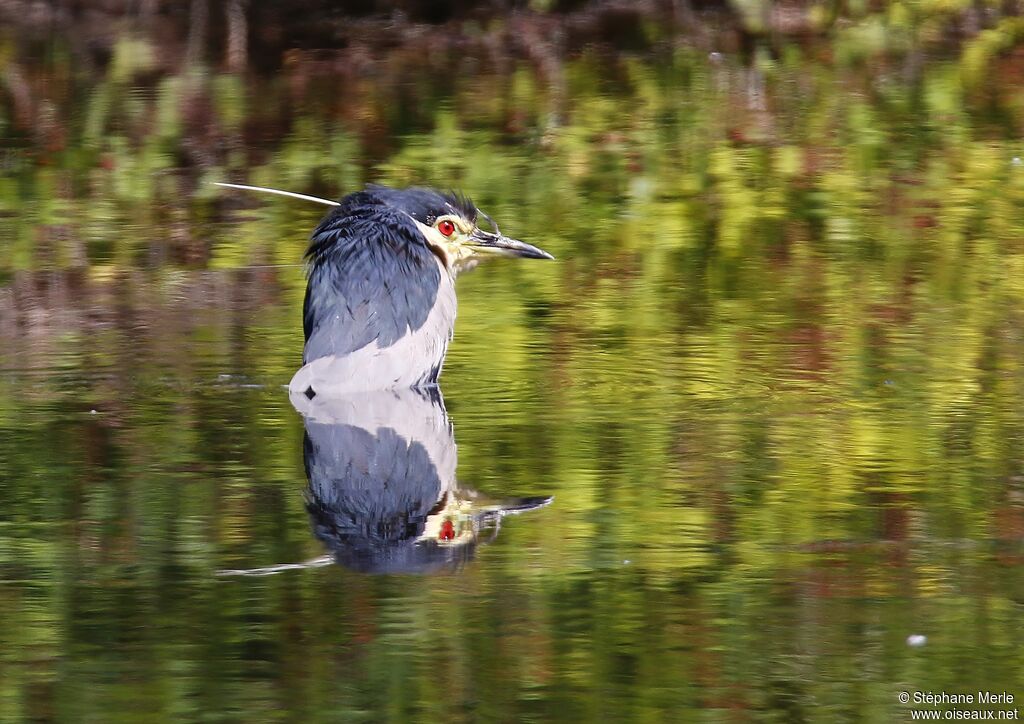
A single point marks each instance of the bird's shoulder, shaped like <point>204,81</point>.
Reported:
<point>370,279</point>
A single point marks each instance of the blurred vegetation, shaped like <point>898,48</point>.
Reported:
<point>773,382</point>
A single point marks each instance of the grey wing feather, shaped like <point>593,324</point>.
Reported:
<point>366,288</point>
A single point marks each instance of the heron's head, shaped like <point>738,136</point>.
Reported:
<point>450,225</point>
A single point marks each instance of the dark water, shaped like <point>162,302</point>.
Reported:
<point>773,385</point>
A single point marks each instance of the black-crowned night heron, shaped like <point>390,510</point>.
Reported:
<point>378,315</point>
<point>380,301</point>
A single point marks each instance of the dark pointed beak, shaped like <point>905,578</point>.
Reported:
<point>485,241</point>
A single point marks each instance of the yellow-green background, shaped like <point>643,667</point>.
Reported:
<point>774,380</point>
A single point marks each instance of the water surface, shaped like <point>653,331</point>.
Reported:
<point>773,384</point>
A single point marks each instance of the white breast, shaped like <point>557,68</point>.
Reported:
<point>409,362</point>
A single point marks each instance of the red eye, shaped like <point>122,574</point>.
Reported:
<point>446,227</point>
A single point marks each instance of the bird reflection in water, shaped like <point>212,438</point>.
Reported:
<point>382,492</point>
<point>378,315</point>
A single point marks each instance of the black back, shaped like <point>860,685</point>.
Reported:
<point>372,275</point>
